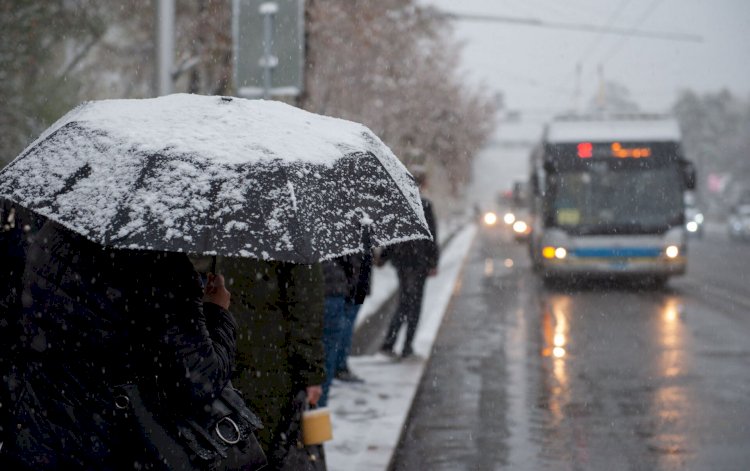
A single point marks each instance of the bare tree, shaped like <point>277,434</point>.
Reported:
<point>388,64</point>
<point>391,66</point>
<point>42,44</point>
<point>716,136</point>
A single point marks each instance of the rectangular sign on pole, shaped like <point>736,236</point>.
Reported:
<point>269,47</point>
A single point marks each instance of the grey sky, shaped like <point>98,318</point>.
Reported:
<point>535,67</point>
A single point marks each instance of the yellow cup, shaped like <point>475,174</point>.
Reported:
<point>316,426</point>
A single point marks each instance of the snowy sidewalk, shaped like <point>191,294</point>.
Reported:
<point>368,418</point>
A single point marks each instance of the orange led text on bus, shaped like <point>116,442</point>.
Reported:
<point>634,152</point>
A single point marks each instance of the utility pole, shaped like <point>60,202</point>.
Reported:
<point>165,13</point>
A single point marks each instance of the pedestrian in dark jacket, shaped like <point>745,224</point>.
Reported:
<point>414,260</point>
<point>347,282</point>
<point>279,310</point>
<point>17,227</point>
<point>359,288</point>
<point>94,318</point>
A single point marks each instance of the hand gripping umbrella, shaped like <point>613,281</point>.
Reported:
<point>217,176</point>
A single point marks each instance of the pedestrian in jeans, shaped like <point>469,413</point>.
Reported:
<point>347,281</point>
<point>414,260</point>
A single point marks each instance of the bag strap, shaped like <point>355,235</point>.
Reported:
<point>159,440</point>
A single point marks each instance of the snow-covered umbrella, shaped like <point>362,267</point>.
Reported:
<point>217,176</point>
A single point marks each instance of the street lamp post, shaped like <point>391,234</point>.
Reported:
<point>164,46</point>
<point>268,62</point>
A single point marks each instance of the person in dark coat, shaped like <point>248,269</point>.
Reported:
<point>347,283</point>
<point>414,261</point>
<point>94,318</point>
<point>279,310</point>
<point>358,289</point>
<point>17,228</point>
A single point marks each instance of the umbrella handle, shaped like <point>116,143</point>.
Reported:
<point>213,264</point>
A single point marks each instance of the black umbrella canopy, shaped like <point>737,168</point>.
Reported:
<point>217,176</point>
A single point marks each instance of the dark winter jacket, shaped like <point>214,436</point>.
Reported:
<point>335,276</point>
<point>348,276</point>
<point>17,228</point>
<point>416,255</point>
<point>94,318</point>
<point>279,310</point>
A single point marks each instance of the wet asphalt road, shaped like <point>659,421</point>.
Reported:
<point>588,377</point>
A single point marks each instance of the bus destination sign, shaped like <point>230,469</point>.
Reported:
<point>587,150</point>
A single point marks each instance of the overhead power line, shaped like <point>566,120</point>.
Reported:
<point>584,27</point>
<point>614,50</point>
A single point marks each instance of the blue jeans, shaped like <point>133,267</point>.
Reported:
<point>347,332</point>
<point>335,310</point>
<point>338,329</point>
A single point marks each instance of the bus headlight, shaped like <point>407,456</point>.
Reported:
<point>490,218</point>
<point>554,252</point>
<point>509,218</point>
<point>672,251</point>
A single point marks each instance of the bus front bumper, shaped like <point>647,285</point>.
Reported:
<point>660,266</point>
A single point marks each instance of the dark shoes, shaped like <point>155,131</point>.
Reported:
<point>408,353</point>
<point>348,377</point>
<point>411,356</point>
<point>388,352</point>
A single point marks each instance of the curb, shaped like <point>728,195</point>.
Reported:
<point>369,419</point>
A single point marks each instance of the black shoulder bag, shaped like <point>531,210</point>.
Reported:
<point>220,437</point>
<point>296,455</point>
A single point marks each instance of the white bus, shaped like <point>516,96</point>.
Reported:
<point>607,198</point>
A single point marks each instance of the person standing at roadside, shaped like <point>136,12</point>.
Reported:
<point>279,310</point>
<point>347,282</point>
<point>414,261</point>
<point>359,288</point>
<point>17,228</point>
<point>94,318</point>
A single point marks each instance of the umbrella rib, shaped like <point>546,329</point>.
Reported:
<point>70,182</point>
<point>400,190</point>
<point>121,214</point>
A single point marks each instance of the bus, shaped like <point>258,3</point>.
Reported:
<point>608,198</point>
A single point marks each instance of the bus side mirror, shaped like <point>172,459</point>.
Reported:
<point>688,174</point>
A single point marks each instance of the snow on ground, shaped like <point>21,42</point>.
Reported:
<point>368,418</point>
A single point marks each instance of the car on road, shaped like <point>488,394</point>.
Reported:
<point>739,222</point>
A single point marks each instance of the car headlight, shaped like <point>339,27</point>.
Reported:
<point>490,218</point>
<point>509,218</point>
<point>692,226</point>
<point>520,227</point>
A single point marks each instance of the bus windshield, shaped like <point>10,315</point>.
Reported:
<point>604,200</point>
